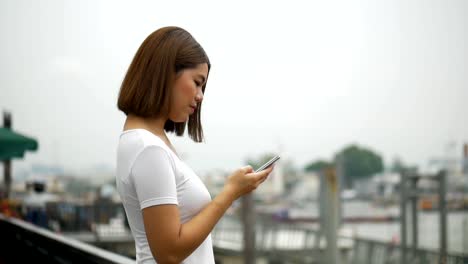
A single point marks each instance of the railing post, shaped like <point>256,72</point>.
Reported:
<point>465,237</point>
<point>403,217</point>
<point>329,218</point>
<point>443,216</point>
<point>370,253</point>
<point>248,220</point>
<point>414,212</point>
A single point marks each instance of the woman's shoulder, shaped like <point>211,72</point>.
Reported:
<point>138,147</point>
<point>134,143</point>
<point>141,138</point>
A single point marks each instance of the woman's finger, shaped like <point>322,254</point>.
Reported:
<point>263,173</point>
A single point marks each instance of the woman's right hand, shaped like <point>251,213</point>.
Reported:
<point>245,180</point>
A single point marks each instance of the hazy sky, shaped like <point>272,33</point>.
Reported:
<point>311,76</point>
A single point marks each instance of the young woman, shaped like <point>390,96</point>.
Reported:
<point>169,209</point>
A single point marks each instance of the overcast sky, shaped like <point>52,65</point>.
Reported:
<point>310,76</point>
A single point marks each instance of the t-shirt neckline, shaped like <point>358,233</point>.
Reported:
<point>136,129</point>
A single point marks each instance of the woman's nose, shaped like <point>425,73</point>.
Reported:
<point>199,96</point>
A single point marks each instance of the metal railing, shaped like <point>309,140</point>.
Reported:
<point>375,252</point>
<point>275,240</point>
<point>23,242</point>
<point>293,243</point>
<point>281,242</point>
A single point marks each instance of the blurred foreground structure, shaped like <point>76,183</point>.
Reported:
<point>88,233</point>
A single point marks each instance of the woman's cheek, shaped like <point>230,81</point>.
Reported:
<point>189,90</point>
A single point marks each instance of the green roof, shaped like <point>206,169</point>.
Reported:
<point>13,145</point>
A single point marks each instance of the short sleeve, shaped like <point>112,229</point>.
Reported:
<point>154,178</point>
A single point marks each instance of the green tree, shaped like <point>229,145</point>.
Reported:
<point>317,165</point>
<point>359,163</point>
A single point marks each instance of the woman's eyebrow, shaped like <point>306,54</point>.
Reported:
<point>202,77</point>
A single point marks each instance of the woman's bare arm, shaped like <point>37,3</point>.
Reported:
<point>172,242</point>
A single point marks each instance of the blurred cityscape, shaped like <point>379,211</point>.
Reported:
<point>288,207</point>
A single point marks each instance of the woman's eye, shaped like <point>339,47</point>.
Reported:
<point>197,83</point>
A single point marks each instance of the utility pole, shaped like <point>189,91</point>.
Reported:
<point>7,163</point>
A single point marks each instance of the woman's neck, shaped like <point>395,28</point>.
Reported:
<point>154,125</point>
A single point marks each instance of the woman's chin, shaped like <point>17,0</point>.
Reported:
<point>180,119</point>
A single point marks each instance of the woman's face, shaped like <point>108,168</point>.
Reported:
<point>187,92</point>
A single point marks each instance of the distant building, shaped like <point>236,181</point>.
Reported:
<point>387,185</point>
<point>383,185</point>
<point>465,159</point>
<point>306,188</point>
<point>214,180</point>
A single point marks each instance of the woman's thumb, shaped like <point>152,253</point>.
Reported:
<point>247,169</point>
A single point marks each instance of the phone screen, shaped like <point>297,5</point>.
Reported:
<point>268,164</point>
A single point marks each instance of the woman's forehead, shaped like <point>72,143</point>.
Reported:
<point>199,70</point>
<point>202,68</point>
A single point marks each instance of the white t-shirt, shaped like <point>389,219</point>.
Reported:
<point>149,173</point>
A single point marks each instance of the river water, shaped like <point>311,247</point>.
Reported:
<point>429,230</point>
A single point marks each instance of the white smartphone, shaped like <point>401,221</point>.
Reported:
<point>268,164</point>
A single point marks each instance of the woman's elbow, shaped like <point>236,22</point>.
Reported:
<point>166,258</point>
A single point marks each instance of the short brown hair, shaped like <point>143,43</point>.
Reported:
<point>146,89</point>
